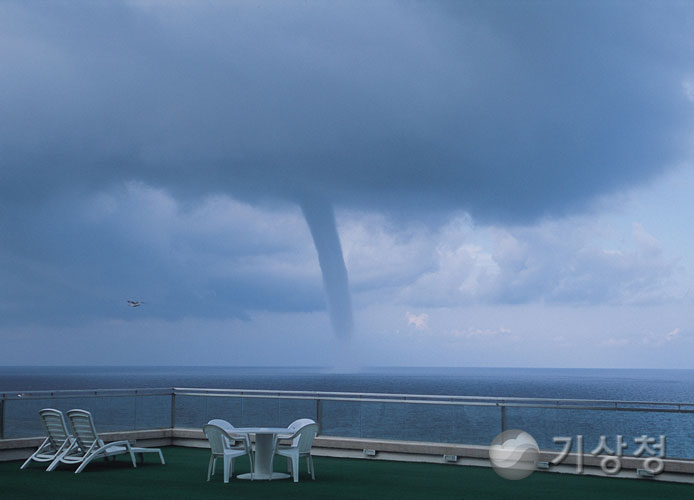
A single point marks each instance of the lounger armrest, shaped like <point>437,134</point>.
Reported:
<point>115,443</point>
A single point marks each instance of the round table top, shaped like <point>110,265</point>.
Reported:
<point>260,430</point>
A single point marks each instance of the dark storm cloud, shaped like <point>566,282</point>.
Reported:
<point>508,110</point>
<point>78,259</point>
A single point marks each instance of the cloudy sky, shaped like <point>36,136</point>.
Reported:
<point>347,183</point>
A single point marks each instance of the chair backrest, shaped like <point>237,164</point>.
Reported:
<point>83,428</point>
<point>305,438</point>
<point>296,425</point>
<point>222,423</point>
<point>54,423</point>
<point>218,438</point>
<point>233,438</point>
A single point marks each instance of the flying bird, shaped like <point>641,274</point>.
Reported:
<point>135,303</point>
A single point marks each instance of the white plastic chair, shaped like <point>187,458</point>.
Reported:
<point>230,430</point>
<point>88,446</point>
<point>302,441</point>
<point>221,446</point>
<point>58,440</point>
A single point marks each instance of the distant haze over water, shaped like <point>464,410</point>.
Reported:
<point>621,384</point>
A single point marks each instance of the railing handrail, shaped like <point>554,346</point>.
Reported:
<point>376,397</point>
<point>419,398</point>
<point>59,393</point>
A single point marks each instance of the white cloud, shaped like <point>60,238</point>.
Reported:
<point>573,260</point>
<point>419,321</point>
<point>646,242</point>
<point>673,334</point>
<point>380,255</point>
<point>688,89</point>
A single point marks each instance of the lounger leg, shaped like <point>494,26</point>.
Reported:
<point>28,460</point>
<point>161,457</point>
<point>59,458</point>
<point>84,464</point>
<point>53,465</point>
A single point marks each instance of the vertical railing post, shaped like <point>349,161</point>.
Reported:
<point>360,408</point>
<point>277,420</point>
<point>135,411</point>
<point>319,414</point>
<point>173,408</point>
<point>503,417</point>
<point>2,417</point>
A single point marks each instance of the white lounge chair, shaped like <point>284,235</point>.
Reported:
<point>58,440</point>
<point>302,441</point>
<point>221,446</point>
<point>88,446</point>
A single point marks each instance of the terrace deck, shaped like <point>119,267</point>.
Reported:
<point>183,477</point>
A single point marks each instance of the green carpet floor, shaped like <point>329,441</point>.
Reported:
<point>183,477</point>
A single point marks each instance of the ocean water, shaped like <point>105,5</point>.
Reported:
<point>455,424</point>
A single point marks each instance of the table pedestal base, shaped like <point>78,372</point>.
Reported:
<point>264,476</point>
<point>263,458</point>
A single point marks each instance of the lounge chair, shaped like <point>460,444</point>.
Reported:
<point>88,446</point>
<point>58,440</point>
<point>221,445</point>
<point>302,441</point>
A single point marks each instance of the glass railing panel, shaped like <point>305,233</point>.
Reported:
<point>22,417</point>
<point>546,423</point>
<point>225,408</point>
<point>260,412</point>
<point>294,409</point>
<point>153,412</point>
<point>341,418</point>
<point>382,420</point>
<point>190,411</point>
<point>112,413</point>
<point>433,421</point>
<point>430,422</point>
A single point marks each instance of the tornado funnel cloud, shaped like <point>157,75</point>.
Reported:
<point>320,218</point>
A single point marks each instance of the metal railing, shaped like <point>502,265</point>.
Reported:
<point>422,417</point>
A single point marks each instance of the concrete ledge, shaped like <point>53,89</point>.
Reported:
<point>468,455</point>
<point>403,451</point>
<point>466,452</point>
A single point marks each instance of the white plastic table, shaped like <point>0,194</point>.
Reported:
<point>264,439</point>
